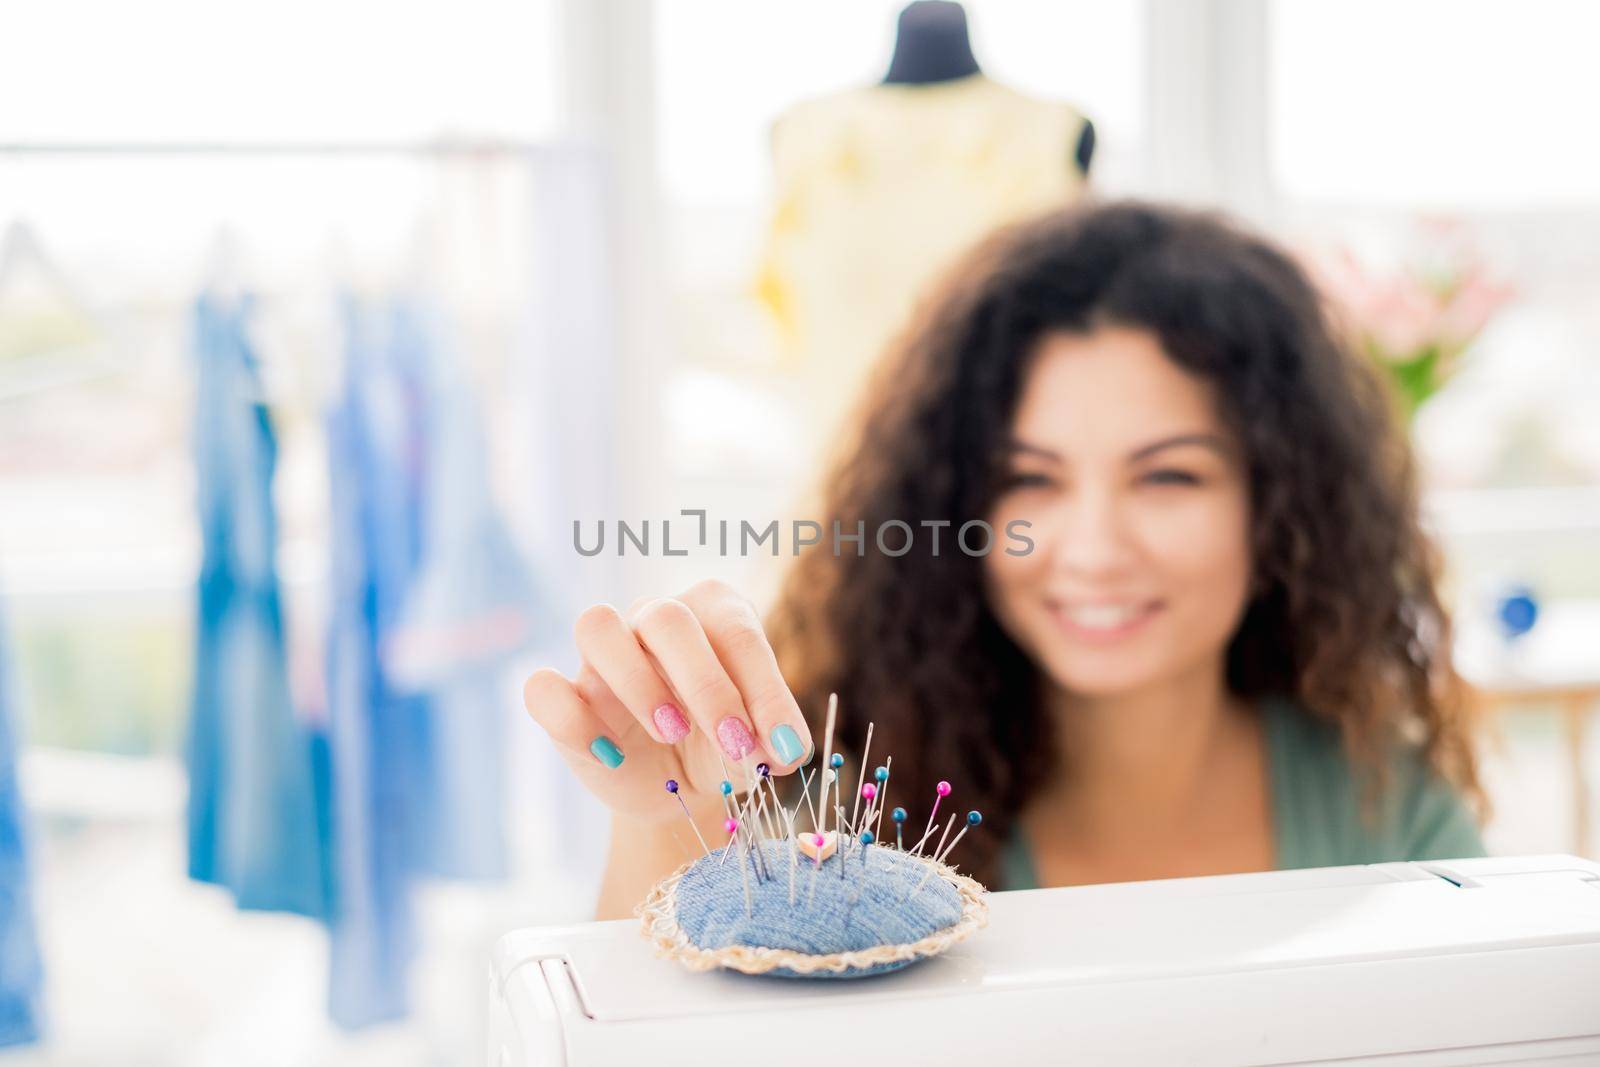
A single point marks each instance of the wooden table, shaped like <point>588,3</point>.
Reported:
<point>1557,663</point>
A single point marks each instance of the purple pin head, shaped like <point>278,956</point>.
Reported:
<point>672,785</point>
<point>943,789</point>
<point>763,770</point>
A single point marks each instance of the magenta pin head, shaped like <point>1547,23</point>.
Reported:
<point>731,825</point>
<point>869,791</point>
<point>943,789</point>
<point>819,839</point>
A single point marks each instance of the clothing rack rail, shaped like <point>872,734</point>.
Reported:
<point>471,148</point>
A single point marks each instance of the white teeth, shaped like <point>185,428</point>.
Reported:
<point>1103,616</point>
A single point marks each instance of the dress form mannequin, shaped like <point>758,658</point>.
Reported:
<point>877,187</point>
<point>932,45</point>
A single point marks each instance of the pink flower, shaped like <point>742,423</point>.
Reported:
<point>1402,314</point>
<point>1403,319</point>
<point>1472,304</point>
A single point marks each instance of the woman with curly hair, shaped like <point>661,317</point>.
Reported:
<point>1153,592</point>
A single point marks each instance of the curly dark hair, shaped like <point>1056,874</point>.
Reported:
<point>1344,618</point>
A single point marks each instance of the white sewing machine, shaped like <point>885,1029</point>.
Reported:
<point>1472,961</point>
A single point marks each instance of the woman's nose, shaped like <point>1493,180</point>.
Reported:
<point>1092,535</point>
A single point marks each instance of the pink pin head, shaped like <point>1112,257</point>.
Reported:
<point>869,791</point>
<point>731,825</point>
<point>943,789</point>
<point>819,839</point>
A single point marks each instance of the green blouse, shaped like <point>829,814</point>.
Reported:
<point>1315,806</point>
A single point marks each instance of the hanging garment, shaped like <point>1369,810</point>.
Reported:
<point>431,599</point>
<point>252,808</point>
<point>21,974</point>
<point>877,189</point>
<point>378,738</point>
<point>472,607</point>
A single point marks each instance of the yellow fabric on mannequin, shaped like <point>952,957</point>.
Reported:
<point>878,188</point>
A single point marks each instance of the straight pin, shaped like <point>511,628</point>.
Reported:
<point>916,849</point>
<point>732,826</point>
<point>805,791</point>
<point>837,764</point>
<point>869,793</point>
<point>672,787</point>
<point>881,776</point>
<point>931,867</point>
<point>861,776</point>
<point>941,791</point>
<point>794,842</point>
<point>827,761</point>
<point>816,869</point>
<point>727,806</point>
<point>743,820</point>
<point>768,816</point>
<point>754,829</point>
<point>843,844</point>
<point>948,824</point>
<point>770,802</point>
<point>762,770</point>
<point>973,819</point>
<point>822,785</point>
<point>784,818</point>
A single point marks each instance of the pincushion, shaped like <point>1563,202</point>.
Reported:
<point>831,903</point>
<point>872,920</point>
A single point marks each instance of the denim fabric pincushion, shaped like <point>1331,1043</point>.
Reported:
<point>816,903</point>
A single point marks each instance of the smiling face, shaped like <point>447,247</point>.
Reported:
<point>1139,506</point>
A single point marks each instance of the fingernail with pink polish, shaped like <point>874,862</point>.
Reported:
<point>670,721</point>
<point>735,738</point>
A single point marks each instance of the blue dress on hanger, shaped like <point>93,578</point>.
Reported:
<point>253,811</point>
<point>429,600</point>
<point>377,737</point>
<point>21,974</point>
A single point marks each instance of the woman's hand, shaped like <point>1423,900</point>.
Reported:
<point>683,687</point>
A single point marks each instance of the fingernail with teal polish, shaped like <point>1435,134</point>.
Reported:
<point>786,743</point>
<point>606,751</point>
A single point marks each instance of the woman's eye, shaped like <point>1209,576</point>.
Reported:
<point>1170,477</point>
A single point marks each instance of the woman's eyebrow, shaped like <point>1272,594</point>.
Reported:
<point>1215,442</point>
<point>1015,445</point>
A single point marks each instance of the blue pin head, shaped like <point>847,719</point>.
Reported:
<point>881,774</point>
<point>974,818</point>
<point>898,815</point>
<point>727,787</point>
<point>837,761</point>
<point>866,837</point>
